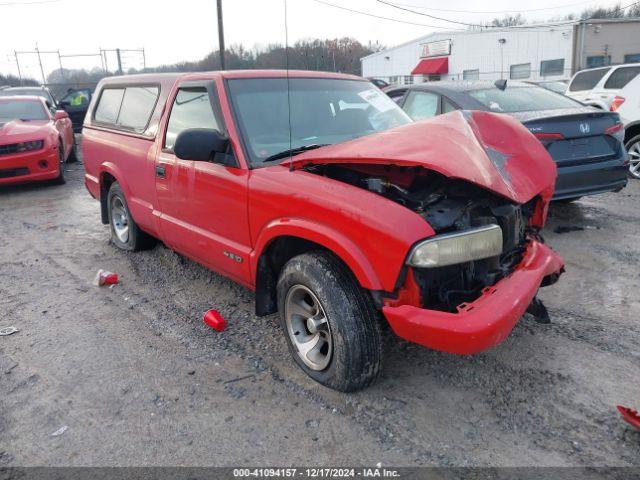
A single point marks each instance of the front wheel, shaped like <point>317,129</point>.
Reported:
<point>329,321</point>
<point>633,147</point>
<point>62,166</point>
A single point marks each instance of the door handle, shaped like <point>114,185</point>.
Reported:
<point>161,171</point>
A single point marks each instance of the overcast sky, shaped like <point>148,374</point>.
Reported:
<point>172,30</point>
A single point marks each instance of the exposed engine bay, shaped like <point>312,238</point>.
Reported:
<point>448,205</point>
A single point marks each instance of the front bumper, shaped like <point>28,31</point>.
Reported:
<point>24,167</point>
<point>485,322</point>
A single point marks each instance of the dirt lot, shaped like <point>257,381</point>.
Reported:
<point>138,380</point>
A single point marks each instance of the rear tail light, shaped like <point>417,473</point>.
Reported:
<point>617,103</point>
<point>547,138</point>
<point>616,131</point>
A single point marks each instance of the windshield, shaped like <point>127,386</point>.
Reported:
<point>323,111</point>
<point>22,92</point>
<point>21,110</point>
<point>522,99</point>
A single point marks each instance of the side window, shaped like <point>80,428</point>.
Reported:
<point>587,80</point>
<point>421,105</point>
<point>447,106</point>
<point>621,76</point>
<point>191,109</point>
<point>109,105</point>
<point>137,107</point>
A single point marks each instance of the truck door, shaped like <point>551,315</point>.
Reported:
<point>202,206</point>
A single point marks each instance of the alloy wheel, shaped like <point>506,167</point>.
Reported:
<point>634,159</point>
<point>308,327</point>
<point>120,219</point>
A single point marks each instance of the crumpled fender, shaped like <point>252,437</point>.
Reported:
<point>493,151</point>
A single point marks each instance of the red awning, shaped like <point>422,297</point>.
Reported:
<point>432,66</point>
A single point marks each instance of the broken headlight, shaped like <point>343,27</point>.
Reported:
<point>459,247</point>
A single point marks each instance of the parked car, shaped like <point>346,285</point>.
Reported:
<point>76,103</point>
<point>558,86</point>
<point>320,194</point>
<point>627,105</point>
<point>599,86</point>
<point>378,82</point>
<point>30,91</point>
<point>35,141</point>
<point>586,143</point>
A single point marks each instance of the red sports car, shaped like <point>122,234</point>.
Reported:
<point>35,142</point>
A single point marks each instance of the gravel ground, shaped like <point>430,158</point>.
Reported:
<point>137,379</point>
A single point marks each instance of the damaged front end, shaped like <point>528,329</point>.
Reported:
<point>462,289</point>
<point>450,207</point>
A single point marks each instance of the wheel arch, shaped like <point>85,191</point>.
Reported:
<point>284,240</point>
<point>631,130</point>
<point>107,176</point>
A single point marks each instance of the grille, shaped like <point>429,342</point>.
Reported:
<point>8,149</point>
<point>13,172</point>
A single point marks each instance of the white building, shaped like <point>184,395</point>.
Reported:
<point>550,51</point>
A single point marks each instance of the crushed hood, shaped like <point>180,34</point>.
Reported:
<point>493,151</point>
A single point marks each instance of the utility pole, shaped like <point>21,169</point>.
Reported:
<point>44,80</point>
<point>220,35</point>
<point>502,41</point>
<point>60,63</point>
<point>120,72</point>
<point>144,60</point>
<point>18,65</point>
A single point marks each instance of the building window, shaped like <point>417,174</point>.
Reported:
<point>632,58</point>
<point>522,70</point>
<point>598,61</point>
<point>394,80</point>
<point>552,67</point>
<point>408,80</point>
<point>471,74</point>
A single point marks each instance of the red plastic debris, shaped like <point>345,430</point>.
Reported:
<point>630,416</point>
<point>103,277</point>
<point>214,320</point>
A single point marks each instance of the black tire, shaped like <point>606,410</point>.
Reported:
<point>62,165</point>
<point>633,142</point>
<point>73,155</point>
<point>135,239</point>
<point>356,355</point>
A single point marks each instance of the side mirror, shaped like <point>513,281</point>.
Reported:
<point>501,84</point>
<point>200,144</point>
<point>63,104</point>
<point>61,115</point>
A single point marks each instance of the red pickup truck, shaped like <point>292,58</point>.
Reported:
<point>317,192</point>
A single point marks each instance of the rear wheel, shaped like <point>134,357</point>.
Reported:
<point>73,155</point>
<point>125,233</point>
<point>329,322</point>
<point>633,147</point>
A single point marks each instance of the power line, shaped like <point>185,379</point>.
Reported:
<point>37,2</point>
<point>556,24</point>
<point>498,11</point>
<point>380,17</point>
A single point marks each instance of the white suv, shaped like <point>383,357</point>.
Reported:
<point>627,105</point>
<point>599,86</point>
